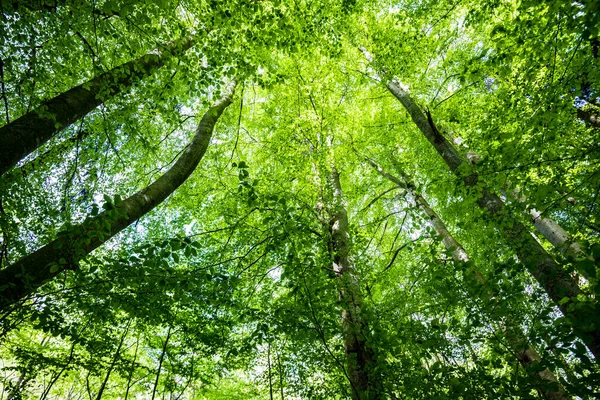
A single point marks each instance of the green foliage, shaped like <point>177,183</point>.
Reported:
<point>236,267</point>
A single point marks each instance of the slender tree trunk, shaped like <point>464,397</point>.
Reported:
<point>25,134</point>
<point>15,392</point>
<point>137,342</point>
<point>160,362</point>
<point>358,355</point>
<point>24,276</point>
<point>557,235</point>
<point>58,374</point>
<point>557,283</point>
<point>270,375</point>
<point>113,362</point>
<point>524,352</point>
<point>280,368</point>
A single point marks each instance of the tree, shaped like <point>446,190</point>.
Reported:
<point>25,134</point>
<point>256,276</point>
<point>359,357</point>
<point>560,286</point>
<point>63,253</point>
<point>525,353</point>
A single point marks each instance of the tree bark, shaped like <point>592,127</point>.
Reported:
<point>358,354</point>
<point>557,235</point>
<point>25,134</point>
<point>24,276</point>
<point>557,283</point>
<point>524,352</point>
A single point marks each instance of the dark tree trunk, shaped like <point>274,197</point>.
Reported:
<point>24,276</point>
<point>25,134</point>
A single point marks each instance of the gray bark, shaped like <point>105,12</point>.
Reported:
<point>557,235</point>
<point>551,230</point>
<point>358,355</point>
<point>524,352</point>
<point>25,134</point>
<point>24,276</point>
<point>557,283</point>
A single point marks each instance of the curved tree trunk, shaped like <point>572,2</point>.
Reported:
<point>28,132</point>
<point>524,352</point>
<point>558,284</point>
<point>358,355</point>
<point>24,276</point>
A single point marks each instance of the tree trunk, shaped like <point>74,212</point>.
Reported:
<point>24,276</point>
<point>270,374</point>
<point>524,352</point>
<point>114,361</point>
<point>556,235</point>
<point>160,362</point>
<point>55,377</point>
<point>132,368</point>
<point>358,354</point>
<point>557,283</point>
<point>25,134</point>
<point>280,368</point>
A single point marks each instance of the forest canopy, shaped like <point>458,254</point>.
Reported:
<point>308,199</point>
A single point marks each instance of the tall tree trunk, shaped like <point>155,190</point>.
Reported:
<point>556,234</point>
<point>160,362</point>
<point>280,368</point>
<point>24,276</point>
<point>358,355</point>
<point>25,134</point>
<point>549,228</point>
<point>557,283</point>
<point>137,343</point>
<point>270,374</point>
<point>56,376</point>
<point>524,352</point>
<point>113,362</point>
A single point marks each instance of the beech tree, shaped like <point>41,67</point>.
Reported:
<point>420,225</point>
